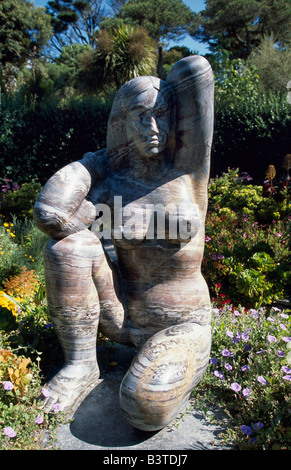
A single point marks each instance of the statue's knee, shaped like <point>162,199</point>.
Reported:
<point>163,374</point>
<point>83,244</point>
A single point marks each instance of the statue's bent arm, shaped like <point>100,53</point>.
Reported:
<point>62,208</point>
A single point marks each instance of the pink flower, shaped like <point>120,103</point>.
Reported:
<point>261,380</point>
<point>9,431</point>
<point>39,419</point>
<point>56,408</point>
<point>7,385</point>
<point>45,392</point>
<point>271,338</point>
<point>235,387</point>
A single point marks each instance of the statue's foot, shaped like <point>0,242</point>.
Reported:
<point>68,388</point>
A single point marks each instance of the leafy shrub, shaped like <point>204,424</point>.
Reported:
<point>21,245</point>
<point>20,202</point>
<point>246,261</point>
<point>252,135</point>
<point>22,424</point>
<point>35,143</point>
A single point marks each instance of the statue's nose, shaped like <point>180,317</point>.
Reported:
<point>152,125</point>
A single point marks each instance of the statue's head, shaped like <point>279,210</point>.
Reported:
<point>142,119</point>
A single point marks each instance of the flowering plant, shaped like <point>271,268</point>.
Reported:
<point>249,374</point>
<point>250,261</point>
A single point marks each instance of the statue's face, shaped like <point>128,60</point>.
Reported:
<point>148,123</point>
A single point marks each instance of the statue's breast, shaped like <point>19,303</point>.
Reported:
<point>152,212</point>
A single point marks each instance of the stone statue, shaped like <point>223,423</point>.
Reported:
<point>157,156</point>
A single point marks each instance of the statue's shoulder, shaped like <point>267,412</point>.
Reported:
<point>95,162</point>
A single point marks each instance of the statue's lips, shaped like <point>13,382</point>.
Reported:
<point>153,142</point>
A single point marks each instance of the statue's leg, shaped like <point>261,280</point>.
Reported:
<point>113,319</point>
<point>158,384</point>
<point>74,308</point>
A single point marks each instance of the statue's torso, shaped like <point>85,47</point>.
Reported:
<point>161,277</point>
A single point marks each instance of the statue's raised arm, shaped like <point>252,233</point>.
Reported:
<point>192,82</point>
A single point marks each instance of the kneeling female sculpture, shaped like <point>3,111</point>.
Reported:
<point>157,157</point>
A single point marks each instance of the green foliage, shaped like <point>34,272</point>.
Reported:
<point>20,203</point>
<point>240,25</point>
<point>247,252</point>
<point>37,142</point>
<point>21,245</point>
<point>74,21</point>
<point>163,20</point>
<point>121,53</point>
<point>251,133</point>
<point>23,30</point>
<point>249,377</point>
<point>234,82</point>
<point>273,65</point>
<point>23,425</point>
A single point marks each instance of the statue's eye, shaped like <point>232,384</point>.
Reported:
<point>161,113</point>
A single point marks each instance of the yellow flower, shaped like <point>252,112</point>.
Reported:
<point>6,224</point>
<point>12,234</point>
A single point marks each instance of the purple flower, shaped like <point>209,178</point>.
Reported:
<point>213,360</point>
<point>229,333</point>
<point>280,353</point>
<point>244,368</point>
<point>246,430</point>
<point>261,380</point>
<point>39,419</point>
<point>246,392</point>
<point>283,326</point>
<point>226,353</point>
<point>286,377</point>
<point>286,369</point>
<point>228,366</point>
<point>283,315</point>
<point>254,313</point>
<point>286,339</point>
<point>271,338</point>
<point>235,387</point>
<point>218,374</point>
<point>45,392</point>
<point>9,431</point>
<point>56,408</point>
<point>245,336</point>
<point>247,347</point>
<point>7,385</point>
<point>258,425</point>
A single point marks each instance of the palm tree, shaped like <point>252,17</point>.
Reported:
<point>122,52</point>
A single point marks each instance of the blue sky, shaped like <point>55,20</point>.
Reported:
<point>195,5</point>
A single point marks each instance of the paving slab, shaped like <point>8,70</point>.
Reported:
<point>98,422</point>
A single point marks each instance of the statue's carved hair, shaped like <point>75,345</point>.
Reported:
<point>118,148</point>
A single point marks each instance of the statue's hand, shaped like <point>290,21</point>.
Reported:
<point>82,219</point>
<point>62,208</point>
